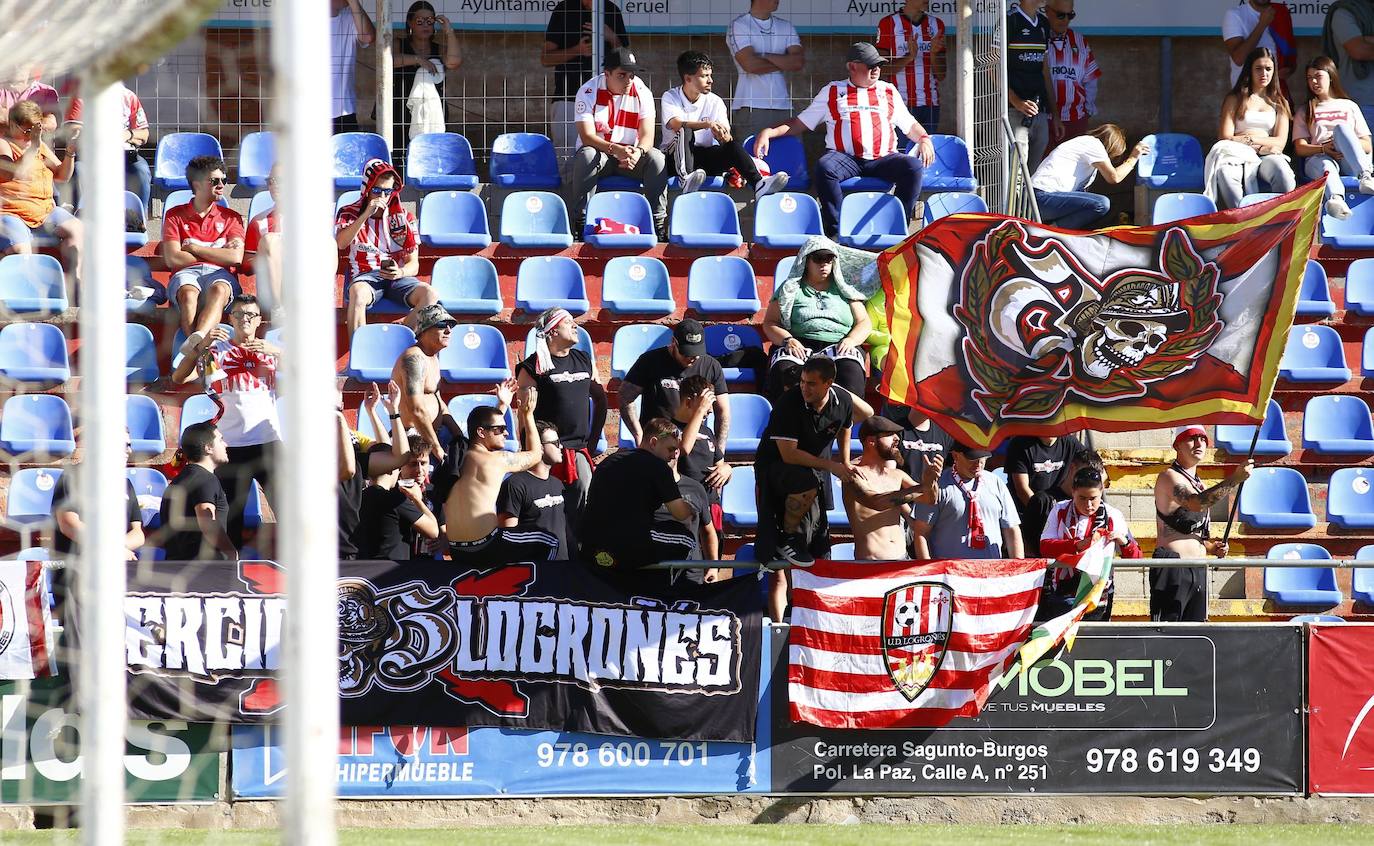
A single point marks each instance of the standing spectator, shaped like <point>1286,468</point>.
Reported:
<point>533,499</point>
<point>1245,27</point>
<point>23,86</point>
<point>702,455</point>
<point>383,246</point>
<point>878,495</point>
<point>615,126</point>
<point>262,251</point>
<point>914,43</point>
<point>973,515</point>
<point>1348,36</point>
<point>68,525</point>
<point>393,515</point>
<point>568,50</point>
<point>1331,131</point>
<point>416,375</point>
<point>430,44</point>
<point>249,426</point>
<point>194,507</point>
<point>1251,135</point>
<point>28,170</point>
<point>697,134</point>
<point>1074,525</point>
<point>201,242</point>
<point>1071,75</point>
<point>1061,181</point>
<point>920,439</point>
<point>860,114</point>
<point>566,378</point>
<point>764,47</point>
<point>356,462</point>
<point>1028,39</point>
<point>655,377</point>
<point>1037,470</point>
<point>138,177</point>
<point>349,29</point>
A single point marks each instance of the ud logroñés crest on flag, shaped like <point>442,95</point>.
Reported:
<point>917,619</point>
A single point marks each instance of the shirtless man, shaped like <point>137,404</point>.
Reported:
<point>878,495</point>
<point>417,372</point>
<point>472,525</point>
<point>1182,525</point>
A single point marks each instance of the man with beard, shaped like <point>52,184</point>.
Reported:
<point>878,494</point>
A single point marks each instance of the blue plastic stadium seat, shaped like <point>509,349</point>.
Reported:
<point>143,416</point>
<point>725,338</point>
<point>952,202</point>
<point>872,221</point>
<point>1173,162</point>
<point>551,282</point>
<point>1314,354</point>
<point>524,160</point>
<point>1359,287</point>
<point>630,342</point>
<point>1301,585</point>
<point>32,284</point>
<point>841,552</point>
<point>780,272</point>
<point>137,272</point>
<point>374,349</point>
<point>467,284</point>
<point>454,219</point>
<point>133,204</point>
<point>749,415</point>
<point>352,150</point>
<point>619,183</point>
<point>1367,354</point>
<point>1362,579</point>
<point>535,219</point>
<point>347,198</point>
<point>37,423</point>
<point>722,285</point>
<point>1181,206</point>
<point>786,155</point>
<point>261,202</point>
<point>745,552</point>
<point>440,161</point>
<point>476,353</point>
<point>1350,498</point>
<point>1317,618</point>
<point>462,405</point>
<point>1276,498</point>
<point>1273,439</point>
<point>1314,298</point>
<point>625,207</point>
<point>1257,198</point>
<point>705,220</point>
<point>836,516</point>
<point>1355,232</point>
<point>1337,425</point>
<point>29,505</point>
<point>252,515</point>
<point>584,343</point>
<point>637,285</point>
<point>737,500</point>
<point>952,169</point>
<point>149,486</point>
<point>32,553</point>
<point>786,219</point>
<point>34,352</point>
<point>257,154</point>
<point>197,408</point>
<point>174,151</point>
<point>140,364</point>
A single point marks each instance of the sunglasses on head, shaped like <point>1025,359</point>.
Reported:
<point>1064,16</point>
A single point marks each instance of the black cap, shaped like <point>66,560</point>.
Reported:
<point>690,337</point>
<point>862,51</point>
<point>877,425</point>
<point>621,58</point>
<point>969,451</point>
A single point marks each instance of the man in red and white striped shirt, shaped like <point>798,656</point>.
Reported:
<point>862,115</point>
<point>615,123</point>
<point>1071,75</point>
<point>914,44</point>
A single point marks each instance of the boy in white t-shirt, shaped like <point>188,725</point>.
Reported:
<point>1060,180</point>
<point>696,132</point>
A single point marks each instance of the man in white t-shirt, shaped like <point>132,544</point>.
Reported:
<point>696,132</point>
<point>1245,27</point>
<point>615,124</point>
<point>764,47</point>
<point>349,26</point>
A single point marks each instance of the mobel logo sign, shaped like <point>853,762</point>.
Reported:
<point>1091,677</point>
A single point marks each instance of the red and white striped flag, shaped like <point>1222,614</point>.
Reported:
<point>905,645</point>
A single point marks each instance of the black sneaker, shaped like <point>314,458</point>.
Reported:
<point>793,551</point>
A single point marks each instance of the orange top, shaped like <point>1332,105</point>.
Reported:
<point>30,199</point>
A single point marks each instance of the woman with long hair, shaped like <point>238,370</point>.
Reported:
<point>1332,133</point>
<point>430,43</point>
<point>1061,181</point>
<point>1254,117</point>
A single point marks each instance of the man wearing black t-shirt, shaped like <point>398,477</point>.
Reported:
<point>702,460</point>
<point>355,466</point>
<point>531,499</point>
<point>655,379</point>
<point>68,520</point>
<point>195,511</point>
<point>393,513</point>
<point>1028,38</point>
<point>619,529</point>
<point>919,439</point>
<point>568,50</point>
<point>1037,471</point>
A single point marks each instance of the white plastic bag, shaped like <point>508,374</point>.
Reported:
<point>426,109</point>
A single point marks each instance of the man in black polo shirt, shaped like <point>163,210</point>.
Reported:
<point>1037,473</point>
<point>655,379</point>
<point>532,499</point>
<point>619,529</point>
<point>791,465</point>
<point>1028,100</point>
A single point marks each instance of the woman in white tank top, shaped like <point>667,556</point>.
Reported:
<point>1255,115</point>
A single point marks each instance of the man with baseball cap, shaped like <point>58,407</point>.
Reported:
<point>1183,523</point>
<point>416,373</point>
<point>615,125</point>
<point>862,115</point>
<point>879,494</point>
<point>655,377</point>
<point>973,516</point>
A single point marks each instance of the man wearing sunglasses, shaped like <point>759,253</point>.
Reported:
<point>1071,75</point>
<point>201,242</point>
<point>28,170</point>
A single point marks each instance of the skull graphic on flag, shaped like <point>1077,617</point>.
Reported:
<point>917,619</point>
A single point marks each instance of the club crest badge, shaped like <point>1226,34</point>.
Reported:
<point>917,620</point>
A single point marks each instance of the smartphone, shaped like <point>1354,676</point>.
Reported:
<point>407,483</point>
<point>388,263</point>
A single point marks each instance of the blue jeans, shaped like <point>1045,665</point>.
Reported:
<point>1354,162</point>
<point>1072,209</point>
<point>903,171</point>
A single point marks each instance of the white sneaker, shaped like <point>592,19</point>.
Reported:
<point>693,181</point>
<point>770,185</point>
<point>188,347</point>
<point>1367,182</point>
<point>1337,208</point>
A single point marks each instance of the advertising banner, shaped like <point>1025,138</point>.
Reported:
<point>1132,709</point>
<point>40,754</point>
<point>1340,701</point>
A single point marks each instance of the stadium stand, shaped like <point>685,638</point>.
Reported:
<point>140,363</point>
<point>135,221</point>
<point>1181,206</point>
<point>1314,298</point>
<point>842,552</point>
<point>1257,198</point>
<point>351,151</point>
<point>1350,498</point>
<point>1273,438</point>
<point>29,504</point>
<point>261,202</point>
<point>477,354</point>
<point>149,486</point>
<point>551,282</point>
<point>784,220</point>
<point>1359,287</point>
<point>143,416</point>
<point>196,409</point>
<point>1314,354</point>
<point>952,169</point>
<point>1173,162</point>
<point>704,220</point>
<point>780,271</point>
<point>737,500</point>
<point>38,424</point>
<point>634,285</point>
<point>748,417</point>
<point>625,208</point>
<point>952,202</point>
<point>174,151</point>
<point>1354,233</point>
<point>871,220</point>
<point>524,160</point>
<point>373,351</point>
<point>257,154</point>
<point>32,284</point>
<point>535,220</point>
<point>1276,498</point>
<point>1299,586</point>
<point>1337,425</point>
<point>631,342</point>
<point>34,352</point>
<point>724,339</point>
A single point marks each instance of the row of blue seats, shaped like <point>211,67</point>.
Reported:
<point>1277,498</point>
<point>1353,233</point>
<point>1331,425</point>
<point>1303,586</point>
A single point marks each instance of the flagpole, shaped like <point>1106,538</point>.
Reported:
<point>1235,506</point>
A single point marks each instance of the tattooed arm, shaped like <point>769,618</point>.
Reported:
<point>412,385</point>
<point>1195,501</point>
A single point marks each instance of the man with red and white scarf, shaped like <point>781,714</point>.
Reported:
<point>973,516</point>
<point>383,244</point>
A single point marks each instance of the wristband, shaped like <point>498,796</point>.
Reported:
<point>719,455</point>
<point>395,417</point>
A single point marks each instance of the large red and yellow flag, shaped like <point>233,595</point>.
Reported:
<point>1006,327</point>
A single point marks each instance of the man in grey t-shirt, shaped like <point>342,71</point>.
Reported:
<point>973,516</point>
<point>1348,37</point>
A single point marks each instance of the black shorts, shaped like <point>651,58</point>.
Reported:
<point>505,546</point>
<point>667,541</point>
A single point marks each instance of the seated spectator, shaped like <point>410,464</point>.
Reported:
<point>615,125</point>
<point>655,378</point>
<point>1038,472</point>
<point>878,495</point>
<point>860,114</point>
<point>1061,181</point>
<point>24,86</point>
<point>66,539</point>
<point>1073,526</point>
<point>194,507</point>
<point>393,515</point>
<point>533,499</point>
<point>1248,156</point>
<point>820,310</point>
<point>702,456</point>
<point>973,515</point>
<point>28,170</point>
<point>202,241</point>
<point>1331,131</point>
<point>696,132</point>
<point>138,177</point>
<point>383,244</point>
<point>262,251</point>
